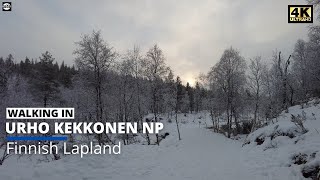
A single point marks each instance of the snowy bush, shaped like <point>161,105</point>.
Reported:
<point>312,170</point>
<point>300,158</point>
<point>273,131</point>
<point>299,120</point>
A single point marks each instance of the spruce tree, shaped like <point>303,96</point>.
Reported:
<point>44,85</point>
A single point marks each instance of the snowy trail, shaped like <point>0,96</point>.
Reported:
<point>205,155</point>
<point>200,155</point>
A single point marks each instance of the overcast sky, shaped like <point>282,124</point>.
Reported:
<point>192,33</point>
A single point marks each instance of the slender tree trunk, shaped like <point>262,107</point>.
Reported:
<point>228,122</point>
<point>212,119</point>
<point>45,101</point>
<point>155,112</point>
<point>236,121</point>
<point>177,125</point>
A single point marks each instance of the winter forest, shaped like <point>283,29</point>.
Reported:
<point>252,101</point>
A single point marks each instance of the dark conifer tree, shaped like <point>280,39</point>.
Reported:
<point>44,85</point>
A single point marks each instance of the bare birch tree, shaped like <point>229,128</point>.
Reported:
<point>94,54</point>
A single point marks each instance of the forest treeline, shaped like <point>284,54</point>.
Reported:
<point>103,85</point>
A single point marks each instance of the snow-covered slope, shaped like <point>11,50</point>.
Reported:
<point>288,144</point>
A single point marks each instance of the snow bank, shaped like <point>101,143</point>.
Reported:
<point>288,144</point>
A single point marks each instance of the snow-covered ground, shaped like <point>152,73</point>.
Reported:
<point>287,146</point>
<point>201,154</point>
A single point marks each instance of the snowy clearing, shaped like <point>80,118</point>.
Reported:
<point>201,154</point>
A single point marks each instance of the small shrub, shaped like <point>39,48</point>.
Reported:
<point>163,136</point>
<point>246,127</point>
<point>312,172</point>
<point>299,120</point>
<point>259,140</point>
<point>280,133</point>
<point>300,159</point>
<point>224,129</point>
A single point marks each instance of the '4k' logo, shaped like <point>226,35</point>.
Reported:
<point>300,14</point>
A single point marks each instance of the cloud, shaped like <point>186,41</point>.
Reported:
<point>192,34</point>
